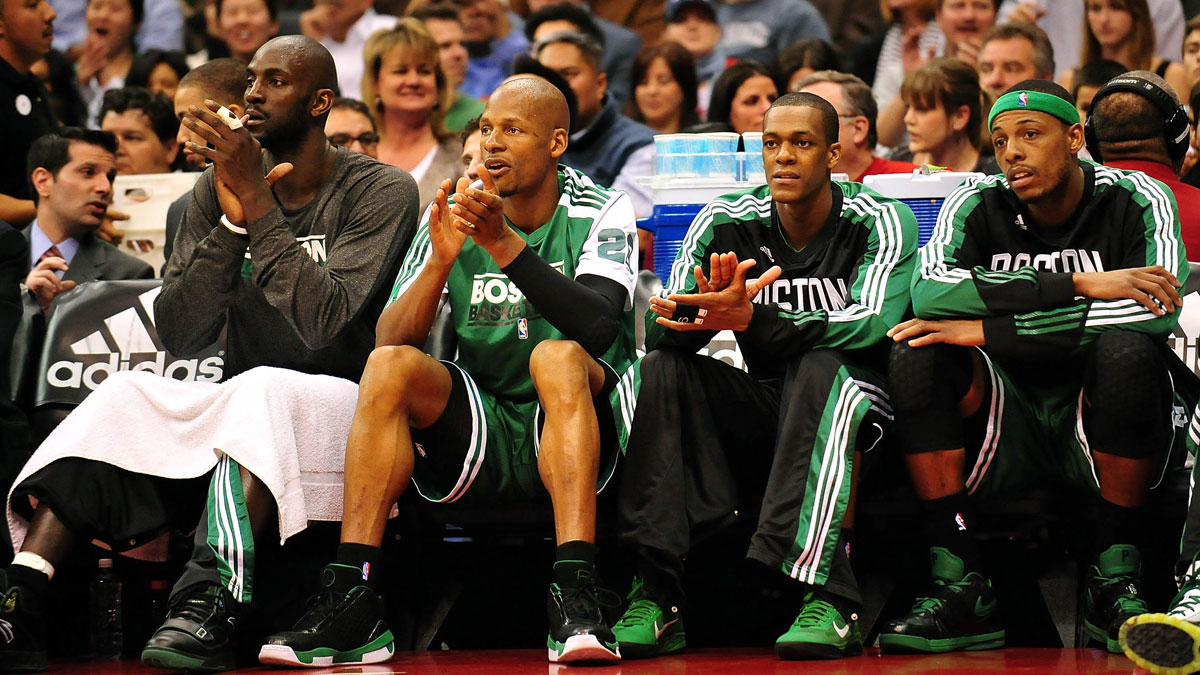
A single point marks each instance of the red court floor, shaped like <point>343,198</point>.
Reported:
<point>699,662</point>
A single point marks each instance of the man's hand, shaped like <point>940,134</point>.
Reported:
<point>108,229</point>
<point>479,214</point>
<point>92,59</point>
<point>1027,12</point>
<point>911,55</point>
<point>232,206</point>
<point>730,308</point>
<point>1154,287</point>
<point>315,22</point>
<point>721,268</point>
<point>235,153</point>
<point>964,333</point>
<point>967,51</point>
<point>44,283</point>
<point>446,239</point>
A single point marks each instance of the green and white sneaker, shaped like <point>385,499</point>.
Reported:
<point>820,632</point>
<point>1168,644</point>
<point>646,629</point>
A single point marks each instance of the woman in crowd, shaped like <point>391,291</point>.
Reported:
<point>1122,31</point>
<point>803,58</point>
<point>407,91</point>
<point>740,98</point>
<point>911,38</point>
<point>246,25</point>
<point>159,71</point>
<point>664,88</point>
<point>945,117</point>
<point>108,50</point>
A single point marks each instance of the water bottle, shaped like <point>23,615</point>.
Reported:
<point>107,636</point>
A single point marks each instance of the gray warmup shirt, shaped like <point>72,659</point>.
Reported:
<point>304,292</point>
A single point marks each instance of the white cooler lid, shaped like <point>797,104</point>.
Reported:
<point>917,186</point>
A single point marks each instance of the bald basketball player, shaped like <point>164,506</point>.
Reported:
<point>537,263</point>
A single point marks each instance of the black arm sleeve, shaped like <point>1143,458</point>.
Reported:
<point>586,310</point>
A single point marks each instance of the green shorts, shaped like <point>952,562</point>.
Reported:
<point>484,448</point>
<point>1037,438</point>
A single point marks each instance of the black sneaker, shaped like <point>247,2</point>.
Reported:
<point>338,627</point>
<point>1113,596</point>
<point>198,633</point>
<point>22,628</point>
<point>578,629</point>
<point>959,615</point>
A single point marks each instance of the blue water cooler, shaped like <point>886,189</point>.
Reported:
<point>924,194</point>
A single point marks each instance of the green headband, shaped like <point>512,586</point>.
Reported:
<point>1035,100</point>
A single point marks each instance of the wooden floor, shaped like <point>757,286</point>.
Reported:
<point>699,662</point>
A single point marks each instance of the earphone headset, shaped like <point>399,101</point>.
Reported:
<point>1175,125</point>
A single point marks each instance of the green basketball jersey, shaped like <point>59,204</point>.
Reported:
<point>592,232</point>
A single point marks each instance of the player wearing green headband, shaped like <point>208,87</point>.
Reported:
<point>1037,358</point>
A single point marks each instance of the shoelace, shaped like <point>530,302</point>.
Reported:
<point>589,600</point>
<point>1188,582</point>
<point>933,603</point>
<point>196,605</point>
<point>816,613</point>
<point>1128,601</point>
<point>640,611</point>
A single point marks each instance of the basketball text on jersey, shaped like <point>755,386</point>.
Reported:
<point>1067,260</point>
<point>804,294</point>
<point>496,301</point>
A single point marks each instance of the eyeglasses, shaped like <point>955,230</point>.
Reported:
<point>364,139</point>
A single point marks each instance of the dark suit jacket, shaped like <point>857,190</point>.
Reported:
<point>98,260</point>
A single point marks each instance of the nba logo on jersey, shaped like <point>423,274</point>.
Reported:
<point>522,329</point>
<point>366,570</point>
<point>962,524</point>
<point>1023,98</point>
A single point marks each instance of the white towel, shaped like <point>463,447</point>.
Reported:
<point>287,428</point>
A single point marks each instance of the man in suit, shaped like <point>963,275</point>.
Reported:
<point>72,173</point>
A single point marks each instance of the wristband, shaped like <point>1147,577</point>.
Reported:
<point>234,228</point>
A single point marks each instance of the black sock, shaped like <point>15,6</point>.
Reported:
<point>846,607</point>
<point>574,563</point>
<point>947,524</point>
<point>34,582</point>
<point>1116,524</point>
<point>365,559</point>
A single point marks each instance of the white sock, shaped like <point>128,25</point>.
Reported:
<point>35,562</point>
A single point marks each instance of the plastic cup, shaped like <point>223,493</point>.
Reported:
<point>752,142</point>
<point>677,154</point>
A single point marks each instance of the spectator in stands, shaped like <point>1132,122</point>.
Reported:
<point>1058,284</point>
<point>408,91</point>
<point>610,148</point>
<point>810,369</point>
<point>492,43</point>
<point>223,81</point>
<point>25,112</point>
<point>442,22</point>
<point>1088,80</point>
<point>758,30</point>
<point>619,42</point>
<point>472,141</point>
<point>1191,51</point>
<point>57,74</point>
<point>108,52</point>
<point>1011,53</point>
<point>350,125</point>
<point>803,58</point>
<point>574,280</point>
<point>162,27</point>
<point>71,173</point>
<point>664,91</point>
<point>1133,133</point>
<point>158,71</point>
<point>693,24</point>
<point>945,117</point>
<point>1191,175</point>
<point>1065,21</point>
<point>850,22</point>
<point>741,97</point>
<point>246,25</point>
<point>1122,31</point>
<point>145,127</point>
<point>964,23</point>
<point>911,40</point>
<point>851,98</point>
<point>343,27</point>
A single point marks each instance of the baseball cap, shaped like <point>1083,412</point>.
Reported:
<point>676,7</point>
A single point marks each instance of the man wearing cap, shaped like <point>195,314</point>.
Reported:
<point>1038,357</point>
<point>693,24</point>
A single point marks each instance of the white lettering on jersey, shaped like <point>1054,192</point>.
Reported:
<point>315,247</point>
<point>1067,260</point>
<point>805,294</point>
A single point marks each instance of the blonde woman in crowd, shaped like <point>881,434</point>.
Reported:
<point>407,91</point>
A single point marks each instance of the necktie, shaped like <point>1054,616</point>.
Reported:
<point>51,252</point>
